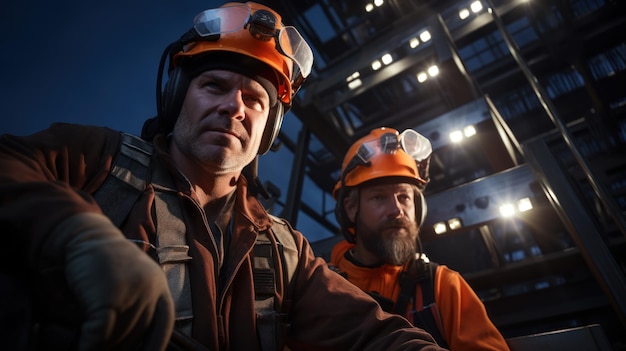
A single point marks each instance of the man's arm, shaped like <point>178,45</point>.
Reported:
<point>465,321</point>
<point>45,184</point>
<point>330,313</point>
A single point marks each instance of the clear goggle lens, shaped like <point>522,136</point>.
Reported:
<point>414,144</point>
<point>233,18</point>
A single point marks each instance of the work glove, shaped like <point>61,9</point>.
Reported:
<point>122,293</point>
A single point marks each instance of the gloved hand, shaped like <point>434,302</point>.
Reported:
<point>122,292</point>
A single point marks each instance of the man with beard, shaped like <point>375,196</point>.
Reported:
<point>380,207</point>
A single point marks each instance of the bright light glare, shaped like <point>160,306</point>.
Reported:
<point>456,136</point>
<point>414,43</point>
<point>355,84</point>
<point>376,65</point>
<point>440,228</point>
<point>369,7</point>
<point>476,6</point>
<point>469,131</point>
<point>433,70</point>
<point>464,13</point>
<point>353,76</point>
<point>378,3</point>
<point>524,205</point>
<point>455,223</point>
<point>425,36</point>
<point>387,59</point>
<point>507,210</point>
<point>421,77</point>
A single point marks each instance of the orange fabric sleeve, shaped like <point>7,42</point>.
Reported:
<point>465,321</point>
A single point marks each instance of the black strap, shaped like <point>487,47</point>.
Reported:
<point>429,318</point>
<point>272,319</point>
<point>127,179</point>
<point>416,272</point>
<point>428,284</point>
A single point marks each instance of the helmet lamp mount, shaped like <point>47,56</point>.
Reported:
<point>263,25</point>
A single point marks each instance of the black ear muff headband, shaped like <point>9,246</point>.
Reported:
<point>340,212</point>
<point>342,217</point>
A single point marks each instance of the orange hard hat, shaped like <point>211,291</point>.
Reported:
<point>384,153</point>
<point>255,31</point>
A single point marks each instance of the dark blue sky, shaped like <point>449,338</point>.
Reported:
<point>96,62</point>
<point>91,62</point>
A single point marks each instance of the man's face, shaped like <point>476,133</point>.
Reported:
<point>385,222</point>
<point>222,121</point>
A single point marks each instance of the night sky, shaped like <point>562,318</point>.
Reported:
<point>89,62</point>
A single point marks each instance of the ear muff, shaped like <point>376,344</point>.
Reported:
<point>172,98</point>
<point>342,218</point>
<point>420,205</point>
<point>272,128</point>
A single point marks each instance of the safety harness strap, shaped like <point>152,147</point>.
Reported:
<point>126,180</point>
<point>428,318</point>
<point>172,249</point>
<point>121,190</point>
<point>272,317</point>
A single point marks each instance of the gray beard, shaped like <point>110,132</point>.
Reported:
<point>390,248</point>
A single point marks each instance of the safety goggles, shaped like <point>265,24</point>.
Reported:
<point>411,142</point>
<point>414,144</point>
<point>262,25</point>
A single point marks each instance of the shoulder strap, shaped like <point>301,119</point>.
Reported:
<point>171,245</point>
<point>415,273</point>
<point>272,320</point>
<point>428,285</point>
<point>126,180</point>
<point>121,190</point>
<point>429,317</point>
<point>284,234</point>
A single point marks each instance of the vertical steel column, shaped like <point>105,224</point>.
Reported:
<point>606,199</point>
<point>577,220</point>
<point>294,193</point>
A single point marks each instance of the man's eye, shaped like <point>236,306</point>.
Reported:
<point>253,98</point>
<point>210,84</point>
<point>256,102</point>
<point>405,197</point>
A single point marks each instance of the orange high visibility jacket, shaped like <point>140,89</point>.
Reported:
<point>465,323</point>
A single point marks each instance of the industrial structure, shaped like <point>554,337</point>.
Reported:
<point>525,105</point>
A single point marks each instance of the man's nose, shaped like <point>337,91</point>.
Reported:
<point>394,208</point>
<point>233,105</point>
